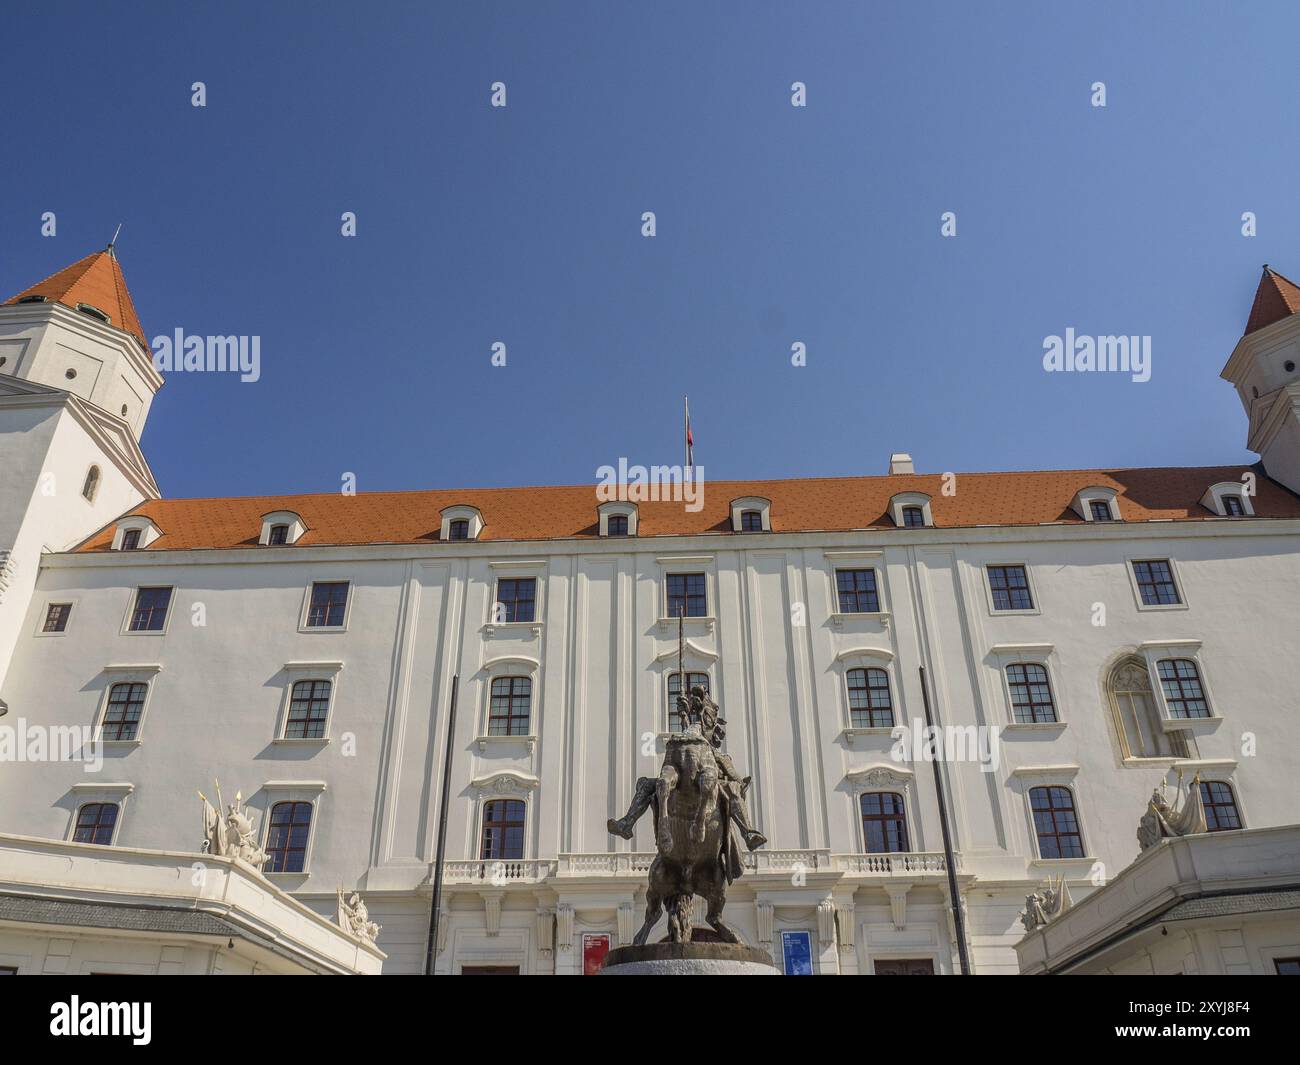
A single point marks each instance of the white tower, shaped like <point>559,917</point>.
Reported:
<point>1265,368</point>
<point>76,382</point>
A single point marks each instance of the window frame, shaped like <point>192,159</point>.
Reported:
<point>1027,664</point>
<point>143,674</point>
<point>669,714</point>
<point>131,606</point>
<point>481,824</point>
<point>1155,651</point>
<point>70,602</point>
<point>93,480</point>
<point>76,821</point>
<point>885,777</point>
<point>296,673</point>
<point>617,508</point>
<point>1034,608</point>
<point>1236,803</point>
<point>1074,810</point>
<point>1004,655</point>
<point>862,796</point>
<point>271,807</point>
<point>498,578</point>
<point>278,791</point>
<point>510,716</point>
<point>868,668</point>
<point>1175,577</point>
<point>107,792</point>
<point>306,605</point>
<point>685,575</point>
<point>1052,776</point>
<point>875,590</point>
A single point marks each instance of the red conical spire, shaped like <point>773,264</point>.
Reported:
<point>97,281</point>
<point>1275,299</point>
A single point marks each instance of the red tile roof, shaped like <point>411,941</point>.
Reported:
<point>1275,299</point>
<point>805,505</point>
<point>97,280</point>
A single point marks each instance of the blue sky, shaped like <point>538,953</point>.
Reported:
<point>775,224</point>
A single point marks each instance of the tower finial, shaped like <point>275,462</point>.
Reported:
<point>112,242</point>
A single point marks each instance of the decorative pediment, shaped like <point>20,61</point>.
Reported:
<point>506,782</point>
<point>690,649</point>
<point>879,775</point>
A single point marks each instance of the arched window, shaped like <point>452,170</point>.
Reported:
<point>1137,721</point>
<point>1182,687</point>
<point>309,707</point>
<point>1055,823</point>
<point>884,822</point>
<point>869,702</point>
<point>1220,806</point>
<point>95,823</point>
<point>122,714</point>
<point>913,518</point>
<point>508,714</point>
<point>751,521</point>
<point>503,830</point>
<point>91,485</point>
<point>693,680</point>
<point>286,840</point>
<point>1031,693</point>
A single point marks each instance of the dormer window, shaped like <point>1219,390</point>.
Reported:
<point>94,312</point>
<point>34,299</point>
<point>460,523</point>
<point>911,510</point>
<point>280,528</point>
<point>1228,499</point>
<point>617,518</point>
<point>751,514</point>
<point>134,533</point>
<point>1096,503</point>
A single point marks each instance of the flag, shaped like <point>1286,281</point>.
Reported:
<point>690,438</point>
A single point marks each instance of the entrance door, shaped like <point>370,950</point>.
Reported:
<point>904,967</point>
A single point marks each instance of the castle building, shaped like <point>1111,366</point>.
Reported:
<point>1085,636</point>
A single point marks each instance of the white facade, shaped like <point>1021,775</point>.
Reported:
<point>777,650</point>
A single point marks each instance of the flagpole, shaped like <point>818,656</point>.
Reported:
<point>686,437</point>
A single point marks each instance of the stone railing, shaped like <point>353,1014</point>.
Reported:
<point>514,871</point>
<point>904,863</point>
<point>634,865</point>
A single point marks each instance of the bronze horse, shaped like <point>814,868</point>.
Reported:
<point>697,852</point>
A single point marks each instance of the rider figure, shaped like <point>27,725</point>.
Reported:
<point>698,709</point>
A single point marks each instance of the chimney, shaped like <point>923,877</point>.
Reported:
<point>900,462</point>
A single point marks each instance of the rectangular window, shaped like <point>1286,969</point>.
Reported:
<point>1181,682</point>
<point>309,707</point>
<point>1055,823</point>
<point>1220,806</point>
<point>150,613</point>
<point>516,599</point>
<point>329,603</point>
<point>1232,506</point>
<point>286,839</point>
<point>617,524</point>
<point>1286,966</point>
<point>1010,588</point>
<point>509,710</point>
<point>884,824</point>
<point>1031,693</point>
<point>56,617</point>
<point>503,830</point>
<point>131,540</point>
<point>1100,510</point>
<point>1155,581</point>
<point>687,596</point>
<point>95,823</point>
<point>123,712</point>
<point>857,591</point>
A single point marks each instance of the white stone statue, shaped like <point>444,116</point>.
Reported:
<point>1162,820</point>
<point>231,836</point>
<point>1046,904</point>
<point>354,918</point>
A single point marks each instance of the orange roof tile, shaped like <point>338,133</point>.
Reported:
<point>97,280</point>
<point>1275,299</point>
<point>805,505</point>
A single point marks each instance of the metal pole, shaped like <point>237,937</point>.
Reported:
<point>958,921</point>
<point>434,912</point>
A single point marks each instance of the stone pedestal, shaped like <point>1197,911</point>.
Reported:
<point>688,959</point>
